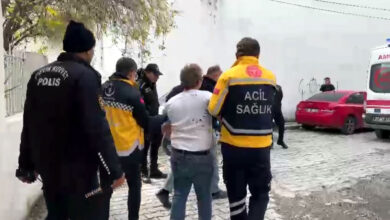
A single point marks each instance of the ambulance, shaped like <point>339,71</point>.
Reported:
<point>377,105</point>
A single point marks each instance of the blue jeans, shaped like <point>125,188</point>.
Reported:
<point>188,170</point>
<point>215,180</point>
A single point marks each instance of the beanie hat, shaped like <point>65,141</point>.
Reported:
<point>78,38</point>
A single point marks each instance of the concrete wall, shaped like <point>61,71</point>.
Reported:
<point>32,61</point>
<point>2,98</point>
<point>16,198</point>
<point>298,44</point>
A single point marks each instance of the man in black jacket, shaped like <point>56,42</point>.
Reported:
<point>175,90</point>
<point>211,78</point>
<point>208,84</point>
<point>278,116</point>
<point>327,86</point>
<point>148,78</point>
<point>65,137</point>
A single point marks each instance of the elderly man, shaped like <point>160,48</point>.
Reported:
<point>208,84</point>
<point>192,140</point>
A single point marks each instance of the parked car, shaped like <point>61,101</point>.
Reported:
<point>337,109</point>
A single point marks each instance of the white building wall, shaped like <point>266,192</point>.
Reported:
<point>16,198</point>
<point>297,44</point>
<point>2,97</point>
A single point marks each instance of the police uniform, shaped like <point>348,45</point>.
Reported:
<point>243,99</point>
<point>152,139</point>
<point>65,137</point>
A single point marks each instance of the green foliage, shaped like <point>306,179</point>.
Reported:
<point>129,20</point>
<point>43,49</point>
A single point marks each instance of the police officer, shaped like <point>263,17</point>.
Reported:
<point>127,116</point>
<point>65,135</point>
<point>243,99</point>
<point>278,116</point>
<point>147,84</point>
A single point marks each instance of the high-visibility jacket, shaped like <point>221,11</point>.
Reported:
<point>243,98</point>
<point>126,113</point>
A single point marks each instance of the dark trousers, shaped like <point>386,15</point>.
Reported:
<point>244,167</point>
<point>131,166</point>
<point>279,121</point>
<point>75,207</point>
<point>152,141</point>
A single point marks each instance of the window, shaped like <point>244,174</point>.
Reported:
<point>380,78</point>
<point>357,98</point>
<point>327,97</point>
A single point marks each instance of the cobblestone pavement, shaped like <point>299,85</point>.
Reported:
<point>315,160</point>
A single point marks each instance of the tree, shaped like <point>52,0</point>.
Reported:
<point>129,20</point>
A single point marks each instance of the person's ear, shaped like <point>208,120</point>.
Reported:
<point>200,82</point>
<point>91,52</point>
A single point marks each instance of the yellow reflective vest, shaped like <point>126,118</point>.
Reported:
<point>243,99</point>
<point>126,114</point>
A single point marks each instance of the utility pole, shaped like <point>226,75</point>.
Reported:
<point>2,77</point>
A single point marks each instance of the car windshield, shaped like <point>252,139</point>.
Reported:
<point>380,78</point>
<point>327,97</point>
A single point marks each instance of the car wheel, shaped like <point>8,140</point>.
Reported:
<point>308,127</point>
<point>349,126</point>
<point>382,134</point>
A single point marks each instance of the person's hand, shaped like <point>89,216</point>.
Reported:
<point>166,129</point>
<point>118,182</point>
<point>26,176</point>
<point>26,180</point>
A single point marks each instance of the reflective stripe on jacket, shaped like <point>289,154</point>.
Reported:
<point>243,97</point>
<point>126,114</point>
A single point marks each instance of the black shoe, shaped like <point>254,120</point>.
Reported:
<point>146,180</point>
<point>144,171</point>
<point>284,145</point>
<point>219,195</point>
<point>157,174</point>
<point>163,196</point>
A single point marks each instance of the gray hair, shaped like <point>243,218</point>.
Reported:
<point>190,75</point>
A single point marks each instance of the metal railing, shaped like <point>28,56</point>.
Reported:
<point>15,84</point>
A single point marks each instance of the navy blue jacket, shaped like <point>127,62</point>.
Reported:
<point>65,136</point>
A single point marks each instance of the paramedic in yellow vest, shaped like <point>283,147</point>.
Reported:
<point>127,117</point>
<point>243,99</point>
